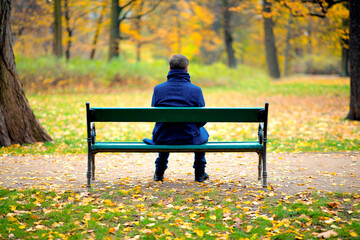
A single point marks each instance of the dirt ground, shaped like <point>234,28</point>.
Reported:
<point>288,173</point>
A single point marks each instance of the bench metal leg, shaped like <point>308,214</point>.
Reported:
<point>93,166</point>
<point>260,166</point>
<point>264,171</point>
<point>88,174</point>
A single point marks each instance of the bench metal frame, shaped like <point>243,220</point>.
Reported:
<point>177,114</point>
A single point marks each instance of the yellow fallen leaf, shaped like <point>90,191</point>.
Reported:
<point>167,232</point>
<point>12,219</point>
<point>108,202</point>
<point>248,228</point>
<point>22,226</point>
<point>353,234</point>
<point>112,230</point>
<point>199,232</point>
<point>213,217</point>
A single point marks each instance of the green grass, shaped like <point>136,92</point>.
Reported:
<point>47,73</point>
<point>160,213</point>
<point>82,75</point>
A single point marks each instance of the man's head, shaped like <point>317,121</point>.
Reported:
<point>179,61</point>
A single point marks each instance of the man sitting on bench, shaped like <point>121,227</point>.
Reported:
<point>178,91</point>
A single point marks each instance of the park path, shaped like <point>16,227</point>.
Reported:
<point>288,173</point>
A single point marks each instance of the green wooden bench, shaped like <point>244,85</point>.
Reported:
<point>177,114</point>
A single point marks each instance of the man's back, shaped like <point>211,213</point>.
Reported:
<point>178,91</point>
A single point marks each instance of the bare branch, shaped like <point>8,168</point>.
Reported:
<point>141,14</point>
<point>127,4</point>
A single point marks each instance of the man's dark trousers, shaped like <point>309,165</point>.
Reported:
<point>199,161</point>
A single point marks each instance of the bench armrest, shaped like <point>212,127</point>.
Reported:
<point>93,133</point>
<point>261,133</point>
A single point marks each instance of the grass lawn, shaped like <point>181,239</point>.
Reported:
<point>154,212</point>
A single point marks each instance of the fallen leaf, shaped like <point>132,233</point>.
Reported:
<point>327,234</point>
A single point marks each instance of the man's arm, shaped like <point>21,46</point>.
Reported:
<point>153,101</point>
<point>201,104</point>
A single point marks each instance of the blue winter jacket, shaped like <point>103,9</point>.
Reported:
<point>178,91</point>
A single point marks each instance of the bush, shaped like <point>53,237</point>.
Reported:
<point>44,73</point>
<point>316,64</point>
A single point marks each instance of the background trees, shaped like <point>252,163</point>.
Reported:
<point>201,29</point>
<point>290,36</point>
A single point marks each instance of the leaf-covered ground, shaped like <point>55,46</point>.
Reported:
<point>309,196</point>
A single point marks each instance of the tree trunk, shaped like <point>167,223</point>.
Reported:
<point>18,124</point>
<point>309,35</point>
<point>114,30</point>
<point>345,60</point>
<point>57,29</point>
<point>354,44</point>
<point>97,32</point>
<point>287,48</point>
<point>271,52</point>
<point>69,30</point>
<point>228,35</point>
<point>344,41</point>
<point>179,35</point>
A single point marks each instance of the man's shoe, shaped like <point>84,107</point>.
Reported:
<point>158,177</point>
<point>159,174</point>
<point>201,178</point>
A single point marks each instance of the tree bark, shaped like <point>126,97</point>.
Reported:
<point>179,35</point>
<point>114,30</point>
<point>270,47</point>
<point>354,44</point>
<point>345,60</point>
<point>138,41</point>
<point>344,41</point>
<point>69,30</point>
<point>287,48</point>
<point>57,29</point>
<point>97,32</point>
<point>228,35</point>
<point>18,124</point>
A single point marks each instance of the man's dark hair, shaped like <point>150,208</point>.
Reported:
<point>178,61</point>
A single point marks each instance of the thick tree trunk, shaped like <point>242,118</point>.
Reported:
<point>18,123</point>
<point>114,30</point>
<point>57,29</point>
<point>228,35</point>
<point>354,44</point>
<point>270,47</point>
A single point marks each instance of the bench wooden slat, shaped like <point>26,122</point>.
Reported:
<point>208,147</point>
<point>176,114</point>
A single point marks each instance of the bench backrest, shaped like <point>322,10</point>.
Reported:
<point>176,114</point>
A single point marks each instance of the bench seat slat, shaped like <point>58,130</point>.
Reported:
<point>175,114</point>
<point>208,147</point>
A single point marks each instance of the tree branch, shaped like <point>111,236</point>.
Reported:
<point>141,14</point>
